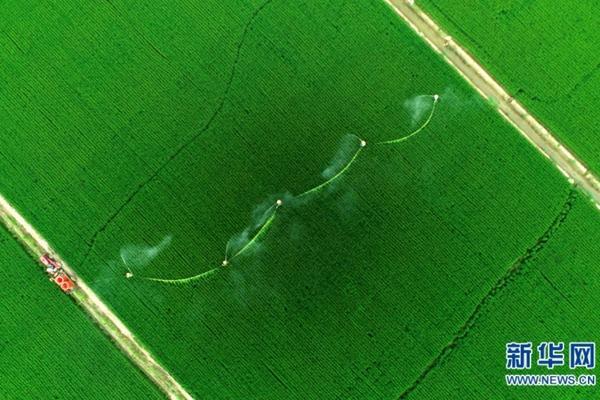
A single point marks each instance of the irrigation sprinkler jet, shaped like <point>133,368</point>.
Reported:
<point>272,211</point>
<point>362,144</point>
<point>419,129</point>
<point>261,232</point>
<point>183,281</point>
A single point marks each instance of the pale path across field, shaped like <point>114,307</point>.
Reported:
<point>508,107</point>
<point>36,245</point>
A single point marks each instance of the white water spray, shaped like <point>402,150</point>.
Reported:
<point>417,112</point>
<point>140,256</point>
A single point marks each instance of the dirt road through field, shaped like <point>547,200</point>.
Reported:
<point>508,107</point>
<point>36,245</point>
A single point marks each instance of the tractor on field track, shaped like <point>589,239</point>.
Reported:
<point>57,275</point>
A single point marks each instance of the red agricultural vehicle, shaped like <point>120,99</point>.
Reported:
<point>54,269</point>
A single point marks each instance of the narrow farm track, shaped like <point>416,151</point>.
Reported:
<point>507,106</point>
<point>36,245</point>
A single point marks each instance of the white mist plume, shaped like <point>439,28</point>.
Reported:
<point>343,155</point>
<point>261,214</point>
<point>140,255</point>
<point>418,107</point>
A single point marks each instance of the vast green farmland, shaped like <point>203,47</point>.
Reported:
<point>48,348</point>
<point>555,297</point>
<point>545,52</point>
<point>133,126</point>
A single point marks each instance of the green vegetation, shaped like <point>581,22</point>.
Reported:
<point>544,52</point>
<point>128,124</point>
<point>49,348</point>
<point>555,296</point>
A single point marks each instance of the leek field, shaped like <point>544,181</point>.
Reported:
<point>143,138</point>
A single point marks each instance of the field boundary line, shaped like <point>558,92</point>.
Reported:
<point>36,246</point>
<point>472,71</point>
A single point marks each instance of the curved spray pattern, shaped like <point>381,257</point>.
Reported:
<point>261,232</point>
<point>264,227</point>
<point>419,129</point>
<point>362,144</point>
<point>141,255</point>
<point>183,281</point>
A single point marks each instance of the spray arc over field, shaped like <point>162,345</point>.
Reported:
<point>330,173</point>
<point>244,242</point>
<point>133,257</point>
<point>417,112</point>
<point>236,246</point>
<point>183,281</point>
<point>141,256</point>
<point>250,237</point>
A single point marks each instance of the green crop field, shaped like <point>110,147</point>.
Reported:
<point>546,54</point>
<point>144,138</point>
<point>555,296</point>
<point>49,349</point>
